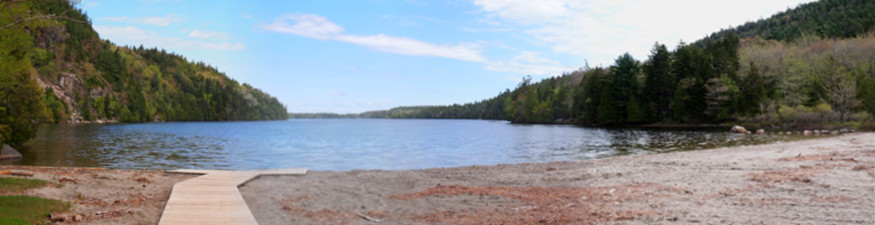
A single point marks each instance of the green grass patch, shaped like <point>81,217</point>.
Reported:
<point>14,185</point>
<point>20,209</point>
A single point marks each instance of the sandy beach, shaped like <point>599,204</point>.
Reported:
<point>828,180</point>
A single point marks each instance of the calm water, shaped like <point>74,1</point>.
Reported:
<point>346,144</point>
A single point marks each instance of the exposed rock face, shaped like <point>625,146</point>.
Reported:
<point>9,153</point>
<point>738,129</point>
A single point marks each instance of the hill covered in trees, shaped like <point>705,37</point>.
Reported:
<point>833,19</point>
<point>54,68</point>
<point>808,66</point>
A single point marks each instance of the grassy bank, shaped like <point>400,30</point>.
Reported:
<point>22,209</point>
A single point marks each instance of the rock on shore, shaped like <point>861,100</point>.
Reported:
<point>8,152</point>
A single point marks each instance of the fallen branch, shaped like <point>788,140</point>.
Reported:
<point>368,218</point>
<point>50,16</point>
<point>25,173</point>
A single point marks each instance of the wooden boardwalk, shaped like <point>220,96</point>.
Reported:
<point>213,198</point>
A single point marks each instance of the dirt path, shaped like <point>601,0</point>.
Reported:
<point>822,181</point>
<point>105,196</point>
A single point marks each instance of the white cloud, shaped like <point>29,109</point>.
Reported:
<point>222,46</point>
<point>315,26</point>
<point>529,63</point>
<point>407,46</point>
<point>133,36</point>
<point>602,30</point>
<point>207,34</point>
<point>127,32</point>
<point>306,25</point>
<point>160,21</point>
<point>525,11</point>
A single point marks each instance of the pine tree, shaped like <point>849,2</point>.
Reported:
<point>637,113</point>
<point>624,84</point>
<point>659,83</point>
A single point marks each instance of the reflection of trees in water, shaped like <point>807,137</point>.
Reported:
<point>147,148</point>
<point>117,146</point>
<point>59,145</point>
<point>639,141</point>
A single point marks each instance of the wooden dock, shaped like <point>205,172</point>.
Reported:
<point>213,198</point>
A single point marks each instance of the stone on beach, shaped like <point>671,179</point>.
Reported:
<point>738,129</point>
<point>8,152</point>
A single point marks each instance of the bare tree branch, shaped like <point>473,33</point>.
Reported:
<point>50,16</point>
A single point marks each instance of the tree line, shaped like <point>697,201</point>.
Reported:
<point>809,66</point>
<point>826,18</point>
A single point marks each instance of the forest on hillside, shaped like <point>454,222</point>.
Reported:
<point>54,68</point>
<point>807,66</point>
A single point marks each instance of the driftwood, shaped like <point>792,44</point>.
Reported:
<point>368,218</point>
<point>61,217</point>
<point>25,173</point>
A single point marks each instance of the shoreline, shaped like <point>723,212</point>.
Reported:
<point>823,180</point>
<point>820,181</point>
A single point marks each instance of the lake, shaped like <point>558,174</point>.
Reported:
<point>348,144</point>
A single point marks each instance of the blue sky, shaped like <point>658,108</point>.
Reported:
<point>356,56</point>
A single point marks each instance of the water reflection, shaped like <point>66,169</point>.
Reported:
<point>345,144</point>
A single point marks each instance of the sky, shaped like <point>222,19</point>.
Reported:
<point>355,56</point>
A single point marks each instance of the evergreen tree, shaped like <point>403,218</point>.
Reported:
<point>608,112</point>
<point>753,91</point>
<point>588,99</point>
<point>636,112</point>
<point>688,102</point>
<point>659,83</point>
<point>623,84</point>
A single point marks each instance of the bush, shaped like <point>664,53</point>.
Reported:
<point>867,126</point>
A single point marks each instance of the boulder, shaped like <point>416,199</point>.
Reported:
<point>8,152</point>
<point>761,131</point>
<point>807,132</point>
<point>835,132</point>
<point>738,129</point>
<point>816,132</point>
